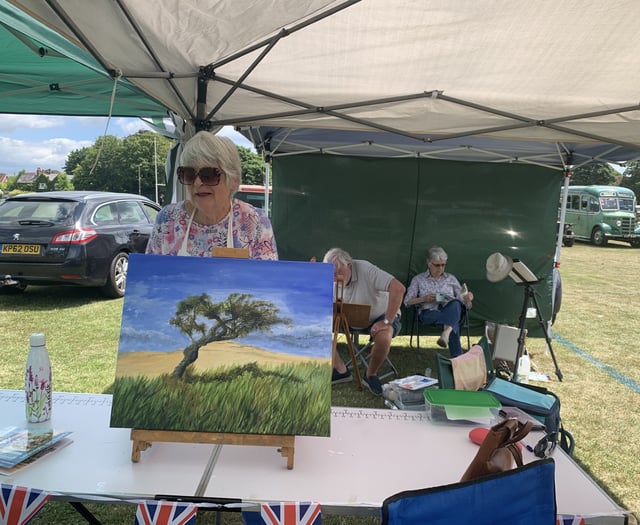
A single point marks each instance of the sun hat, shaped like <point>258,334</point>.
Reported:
<point>498,267</point>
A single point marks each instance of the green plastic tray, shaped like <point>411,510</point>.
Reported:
<point>461,398</point>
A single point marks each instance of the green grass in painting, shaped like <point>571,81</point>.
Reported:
<point>290,399</point>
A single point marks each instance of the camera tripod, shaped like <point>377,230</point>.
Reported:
<point>529,298</point>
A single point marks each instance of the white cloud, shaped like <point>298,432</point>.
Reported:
<point>12,123</point>
<point>127,126</point>
<point>28,142</point>
<point>51,154</point>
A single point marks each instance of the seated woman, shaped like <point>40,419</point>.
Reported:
<point>440,297</point>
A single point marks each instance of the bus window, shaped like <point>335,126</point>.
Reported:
<point>253,194</point>
<point>583,202</point>
<point>575,202</point>
<point>608,203</point>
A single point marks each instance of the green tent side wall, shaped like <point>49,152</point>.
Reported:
<point>390,211</point>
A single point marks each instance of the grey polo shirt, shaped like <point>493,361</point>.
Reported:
<point>368,285</point>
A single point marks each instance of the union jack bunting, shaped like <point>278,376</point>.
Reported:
<point>166,513</point>
<point>569,519</point>
<point>19,505</point>
<point>291,513</point>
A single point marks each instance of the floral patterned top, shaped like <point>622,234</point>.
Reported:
<point>251,229</point>
<point>423,284</point>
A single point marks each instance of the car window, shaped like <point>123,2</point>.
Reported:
<point>106,214</point>
<point>151,211</point>
<point>10,210</point>
<point>59,212</point>
<point>130,212</point>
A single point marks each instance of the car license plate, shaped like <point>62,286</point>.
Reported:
<point>21,249</point>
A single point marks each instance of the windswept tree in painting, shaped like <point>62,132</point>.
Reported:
<point>205,322</point>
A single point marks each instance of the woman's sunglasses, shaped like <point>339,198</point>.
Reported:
<point>208,176</point>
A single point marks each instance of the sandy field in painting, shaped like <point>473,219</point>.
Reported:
<point>154,364</point>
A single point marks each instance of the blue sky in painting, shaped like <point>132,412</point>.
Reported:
<point>302,291</point>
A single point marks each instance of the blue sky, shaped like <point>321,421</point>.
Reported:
<point>28,142</point>
<point>302,291</point>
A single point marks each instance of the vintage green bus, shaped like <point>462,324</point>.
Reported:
<point>255,195</point>
<point>602,213</point>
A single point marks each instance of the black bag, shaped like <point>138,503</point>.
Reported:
<point>539,403</point>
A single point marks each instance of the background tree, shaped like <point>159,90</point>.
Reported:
<point>62,183</point>
<point>12,181</point>
<point>74,159</point>
<point>252,166</point>
<point>97,169</point>
<point>631,177</point>
<point>234,317</point>
<point>139,164</point>
<point>595,173</point>
<point>124,165</point>
<point>128,165</point>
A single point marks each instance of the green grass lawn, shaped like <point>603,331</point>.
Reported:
<point>593,339</point>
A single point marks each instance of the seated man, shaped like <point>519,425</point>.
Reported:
<point>440,297</point>
<point>365,283</point>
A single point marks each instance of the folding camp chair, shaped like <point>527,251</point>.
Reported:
<point>363,354</point>
<point>415,326</point>
<point>357,315</point>
<point>444,368</point>
<point>522,496</point>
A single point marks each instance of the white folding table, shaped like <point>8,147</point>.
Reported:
<point>371,454</point>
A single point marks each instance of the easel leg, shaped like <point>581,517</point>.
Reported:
<point>529,297</point>
<point>137,447</point>
<point>287,452</point>
<point>521,335</point>
<point>340,324</point>
<point>543,324</point>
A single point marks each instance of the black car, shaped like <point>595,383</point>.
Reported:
<point>72,237</point>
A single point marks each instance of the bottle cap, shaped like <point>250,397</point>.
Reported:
<point>36,340</point>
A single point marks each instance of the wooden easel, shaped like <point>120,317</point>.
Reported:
<point>345,315</point>
<point>143,439</point>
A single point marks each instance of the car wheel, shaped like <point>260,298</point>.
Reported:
<point>117,278</point>
<point>569,242</point>
<point>635,243</point>
<point>598,238</point>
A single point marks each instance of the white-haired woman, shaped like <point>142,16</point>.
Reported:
<point>210,217</point>
<point>440,297</point>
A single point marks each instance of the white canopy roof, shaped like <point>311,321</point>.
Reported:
<point>559,76</point>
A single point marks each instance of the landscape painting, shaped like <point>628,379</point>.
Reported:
<point>211,344</point>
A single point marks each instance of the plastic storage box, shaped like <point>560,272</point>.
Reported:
<point>461,406</point>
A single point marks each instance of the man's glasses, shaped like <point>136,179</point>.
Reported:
<point>438,265</point>
<point>208,176</point>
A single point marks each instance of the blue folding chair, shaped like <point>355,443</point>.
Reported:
<point>522,496</point>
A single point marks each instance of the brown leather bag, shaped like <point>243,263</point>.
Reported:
<point>498,450</point>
